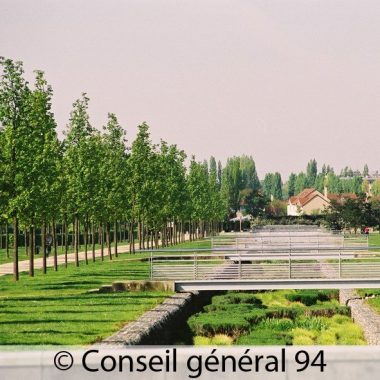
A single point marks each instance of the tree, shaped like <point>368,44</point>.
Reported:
<point>140,169</point>
<point>14,96</point>
<point>268,185</point>
<point>42,186</point>
<point>365,171</point>
<point>292,184</point>
<point>114,177</point>
<point>232,183</point>
<point>78,164</point>
<point>249,176</point>
<point>277,186</point>
<point>375,189</point>
<point>311,173</point>
<point>300,182</point>
<point>198,190</point>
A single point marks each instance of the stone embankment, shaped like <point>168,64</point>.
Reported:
<point>362,314</point>
<point>159,325</point>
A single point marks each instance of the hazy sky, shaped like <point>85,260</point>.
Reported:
<point>283,81</point>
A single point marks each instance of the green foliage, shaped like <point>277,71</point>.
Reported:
<point>301,182</point>
<point>202,341</point>
<point>223,322</point>
<point>282,317</point>
<point>310,297</point>
<point>292,185</point>
<point>264,338</point>
<point>221,340</point>
<point>311,173</point>
<point>236,298</point>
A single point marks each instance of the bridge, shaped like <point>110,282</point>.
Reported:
<point>278,258</point>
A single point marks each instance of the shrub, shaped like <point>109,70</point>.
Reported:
<point>255,316</point>
<point>340,319</point>
<point>300,332</point>
<point>237,298</point>
<point>312,323</point>
<point>327,309</point>
<point>264,338</point>
<point>285,312</point>
<point>302,341</point>
<point>232,308</point>
<point>201,341</point>
<point>348,331</point>
<point>218,323</point>
<point>311,297</point>
<point>327,338</point>
<point>221,340</point>
<point>276,324</point>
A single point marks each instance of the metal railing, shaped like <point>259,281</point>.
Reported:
<point>275,263</point>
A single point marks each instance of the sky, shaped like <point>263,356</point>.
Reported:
<point>282,80</point>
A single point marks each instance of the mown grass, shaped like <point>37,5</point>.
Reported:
<point>282,317</point>
<point>23,256</point>
<point>374,239</point>
<point>56,309</point>
<point>204,243</point>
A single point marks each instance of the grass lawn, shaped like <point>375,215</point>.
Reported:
<point>22,255</point>
<point>374,239</point>
<point>206,243</point>
<point>55,308</point>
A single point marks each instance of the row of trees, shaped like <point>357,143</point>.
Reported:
<point>348,181</point>
<point>91,181</point>
<point>92,184</point>
<point>353,214</point>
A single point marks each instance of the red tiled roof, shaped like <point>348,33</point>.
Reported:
<point>304,197</point>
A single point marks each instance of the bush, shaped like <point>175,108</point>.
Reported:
<point>300,332</point>
<point>340,319</point>
<point>221,340</point>
<point>302,341</point>
<point>276,324</point>
<point>291,312</point>
<point>202,341</point>
<point>236,298</point>
<point>312,323</point>
<point>232,308</point>
<point>327,338</point>
<point>311,297</point>
<point>264,338</point>
<point>218,323</point>
<point>327,309</point>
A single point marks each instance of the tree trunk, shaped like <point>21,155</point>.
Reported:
<point>15,249</point>
<point>85,240</point>
<point>43,243</point>
<point>26,242</point>
<point>93,240</point>
<point>108,239</point>
<point>115,238</point>
<point>66,240</point>
<point>55,247</point>
<point>31,251</point>
<point>7,240</point>
<point>101,237</point>
<point>76,243</point>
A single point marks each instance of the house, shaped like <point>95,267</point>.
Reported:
<point>309,201</point>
